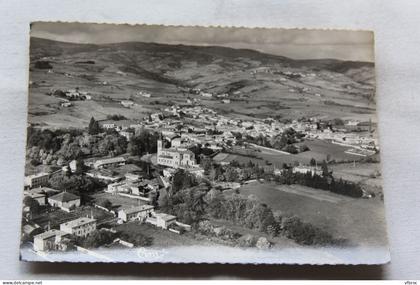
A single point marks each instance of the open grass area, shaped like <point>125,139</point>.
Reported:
<point>367,173</point>
<point>118,202</point>
<point>319,149</point>
<point>360,221</point>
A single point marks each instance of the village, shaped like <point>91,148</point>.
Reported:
<point>190,142</point>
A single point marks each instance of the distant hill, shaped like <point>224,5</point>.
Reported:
<point>274,84</point>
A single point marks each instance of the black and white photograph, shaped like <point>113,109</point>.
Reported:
<point>153,143</point>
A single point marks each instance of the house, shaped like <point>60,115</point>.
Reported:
<point>37,196</point>
<point>50,240</point>
<point>305,169</point>
<point>139,213</point>
<point>65,201</point>
<point>108,125</point>
<point>114,161</point>
<point>226,101</point>
<point>66,104</point>
<point>31,230</point>
<point>118,187</point>
<point>73,165</point>
<point>132,177</point>
<point>80,227</point>
<point>37,180</point>
<point>127,103</point>
<point>205,94</point>
<point>145,94</point>
<point>169,172</point>
<point>161,220</point>
<point>127,134</point>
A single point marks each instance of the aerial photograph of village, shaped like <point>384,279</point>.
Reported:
<point>135,144</point>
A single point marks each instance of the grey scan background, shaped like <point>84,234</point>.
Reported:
<point>396,38</point>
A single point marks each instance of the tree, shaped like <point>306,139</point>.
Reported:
<point>105,203</point>
<point>80,166</point>
<point>207,165</point>
<point>324,168</point>
<point>290,149</point>
<point>231,174</point>
<point>182,180</point>
<point>312,162</point>
<point>32,204</point>
<point>97,238</point>
<point>303,148</point>
<point>93,128</point>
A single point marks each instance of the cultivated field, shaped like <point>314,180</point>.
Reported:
<point>360,221</point>
<point>367,173</point>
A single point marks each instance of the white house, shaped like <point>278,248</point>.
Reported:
<point>161,220</point>
<point>81,227</point>
<point>139,213</point>
<point>37,180</point>
<point>50,240</point>
<point>65,201</point>
<point>127,103</point>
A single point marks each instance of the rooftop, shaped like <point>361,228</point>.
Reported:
<point>78,222</point>
<point>38,175</point>
<point>43,190</point>
<point>138,209</point>
<point>64,197</point>
<point>165,217</point>
<point>110,160</point>
<point>50,233</point>
<point>35,194</point>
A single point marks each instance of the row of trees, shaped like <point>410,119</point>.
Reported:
<point>323,182</point>
<point>234,172</point>
<point>237,172</point>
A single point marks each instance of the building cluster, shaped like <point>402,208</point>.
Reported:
<point>135,186</point>
<point>55,239</point>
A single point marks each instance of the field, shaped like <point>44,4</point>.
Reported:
<point>118,202</point>
<point>360,221</point>
<point>319,150</point>
<point>367,173</point>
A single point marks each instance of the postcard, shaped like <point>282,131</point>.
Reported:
<point>149,143</point>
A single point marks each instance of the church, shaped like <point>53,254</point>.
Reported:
<point>176,156</point>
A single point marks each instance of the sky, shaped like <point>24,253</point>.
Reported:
<point>293,43</point>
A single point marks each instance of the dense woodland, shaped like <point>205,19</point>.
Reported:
<point>57,147</point>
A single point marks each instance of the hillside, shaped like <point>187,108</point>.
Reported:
<point>258,84</point>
